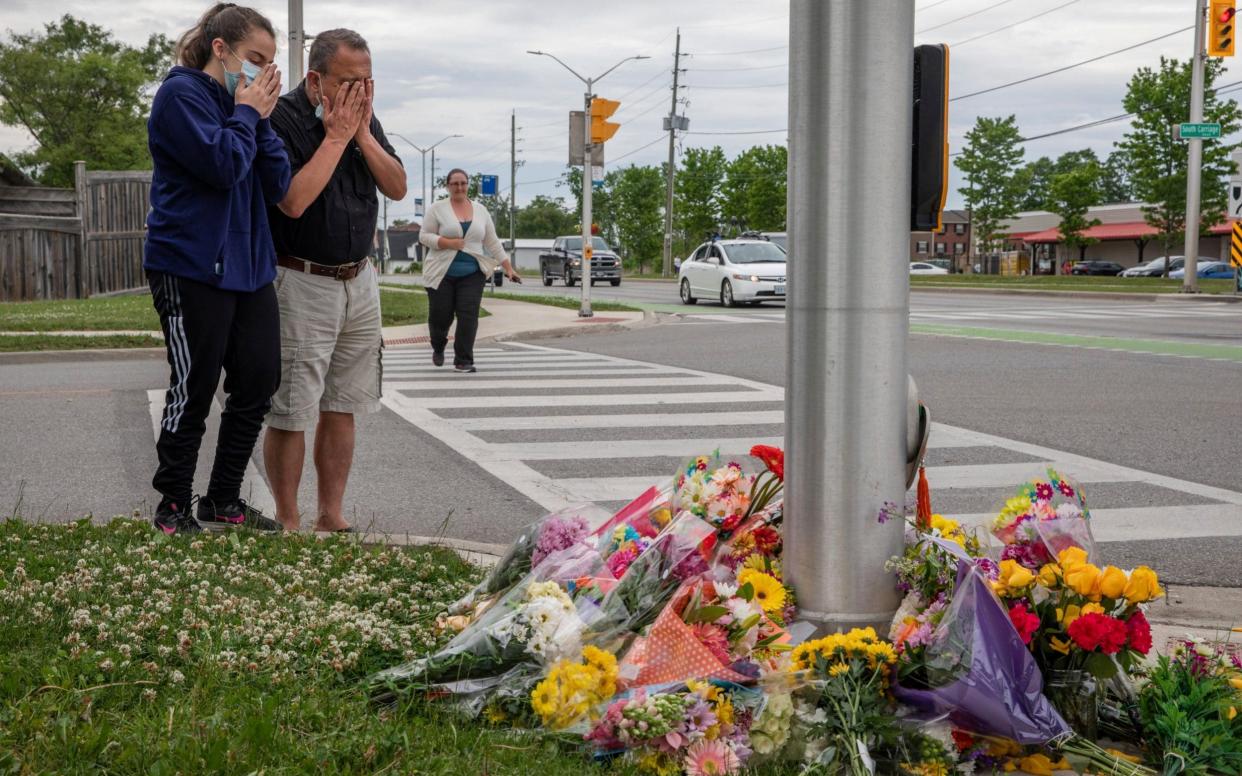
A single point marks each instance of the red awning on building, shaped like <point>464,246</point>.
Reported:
<point>1131,230</point>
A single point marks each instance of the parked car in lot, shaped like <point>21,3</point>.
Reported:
<point>1097,268</point>
<point>733,271</point>
<point>564,261</point>
<point>1210,269</point>
<point>926,268</point>
<point>1155,267</point>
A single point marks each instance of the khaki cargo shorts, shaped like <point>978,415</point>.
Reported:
<point>330,347</point>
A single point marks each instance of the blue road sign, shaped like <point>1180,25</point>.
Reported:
<point>489,185</point>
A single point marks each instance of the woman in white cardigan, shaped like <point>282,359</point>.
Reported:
<point>464,252</point>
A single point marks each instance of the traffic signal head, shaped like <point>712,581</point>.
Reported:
<point>601,109</point>
<point>929,170</point>
<point>1221,28</point>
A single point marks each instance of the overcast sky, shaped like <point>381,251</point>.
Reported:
<point>455,67</point>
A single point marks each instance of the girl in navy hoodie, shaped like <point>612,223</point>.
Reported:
<point>210,261</point>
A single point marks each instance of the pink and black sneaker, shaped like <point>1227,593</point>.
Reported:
<point>224,515</point>
<point>172,519</point>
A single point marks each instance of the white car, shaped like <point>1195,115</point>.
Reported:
<point>923,268</point>
<point>733,271</point>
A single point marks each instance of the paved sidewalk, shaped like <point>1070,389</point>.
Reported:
<point>525,320</point>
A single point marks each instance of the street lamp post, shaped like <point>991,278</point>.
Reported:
<point>584,311</point>
<point>423,153</point>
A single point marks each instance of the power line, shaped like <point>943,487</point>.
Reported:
<point>738,132</point>
<point>641,85</point>
<point>963,18</point>
<point>640,148</point>
<point>738,86</point>
<point>1014,24</point>
<point>1068,67</point>
<point>734,53</point>
<point>737,69</point>
<point>635,103</point>
<point>630,119</point>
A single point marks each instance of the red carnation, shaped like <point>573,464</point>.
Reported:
<point>1139,632</point>
<point>1024,620</point>
<point>772,457</point>
<point>766,539</point>
<point>963,740</point>
<point>1098,631</point>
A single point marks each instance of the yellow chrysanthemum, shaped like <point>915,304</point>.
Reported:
<point>838,669</point>
<point>769,593</point>
<point>543,699</point>
<point>495,715</point>
<point>743,546</point>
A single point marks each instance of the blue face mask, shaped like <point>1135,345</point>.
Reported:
<point>248,69</point>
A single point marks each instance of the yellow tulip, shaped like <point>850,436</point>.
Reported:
<point>1084,580</point>
<point>1143,586</point>
<point>1233,712</point>
<point>1113,582</point>
<point>1236,682</point>
<point>1060,646</point>
<point>1071,557</point>
<point>1036,764</point>
<point>1049,576</point>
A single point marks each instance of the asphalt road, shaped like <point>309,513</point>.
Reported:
<point>590,417</point>
<point>1171,318</point>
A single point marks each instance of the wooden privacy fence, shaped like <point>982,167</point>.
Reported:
<point>73,243</point>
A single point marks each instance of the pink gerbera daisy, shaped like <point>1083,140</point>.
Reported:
<point>710,758</point>
<point>714,639</point>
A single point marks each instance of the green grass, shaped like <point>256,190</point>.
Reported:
<point>1068,283</point>
<point>403,307</point>
<point>128,652</point>
<point>566,302</point>
<point>136,313</point>
<point>22,343</point>
<point>118,313</point>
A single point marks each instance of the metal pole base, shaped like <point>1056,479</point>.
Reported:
<point>585,312</point>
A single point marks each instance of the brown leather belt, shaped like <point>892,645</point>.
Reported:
<point>337,272</point>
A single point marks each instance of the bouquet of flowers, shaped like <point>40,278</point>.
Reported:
<point>695,727</point>
<point>1082,623</point>
<point>1044,518</point>
<point>559,530</point>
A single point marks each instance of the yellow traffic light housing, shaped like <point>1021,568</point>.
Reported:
<point>601,129</point>
<point>1221,24</point>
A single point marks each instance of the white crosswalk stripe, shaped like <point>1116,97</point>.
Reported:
<point>564,427</point>
<point>1169,310</point>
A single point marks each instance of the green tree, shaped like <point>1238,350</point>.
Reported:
<point>755,188</point>
<point>82,95</point>
<point>545,217</point>
<point>1157,164</point>
<point>1071,195</point>
<point>698,194</point>
<point>1114,179</point>
<point>601,202</point>
<point>1032,182</point>
<point>989,161</point>
<point>637,195</point>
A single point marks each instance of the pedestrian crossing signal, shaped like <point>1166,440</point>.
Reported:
<point>1221,33</point>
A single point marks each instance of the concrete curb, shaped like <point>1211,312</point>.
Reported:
<point>611,327</point>
<point>1120,295</point>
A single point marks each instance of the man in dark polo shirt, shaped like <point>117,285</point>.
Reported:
<point>328,292</point>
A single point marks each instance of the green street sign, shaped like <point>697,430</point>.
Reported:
<point>1188,131</point>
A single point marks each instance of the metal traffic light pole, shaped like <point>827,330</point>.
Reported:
<point>851,78</point>
<point>1194,160</point>
<point>584,311</point>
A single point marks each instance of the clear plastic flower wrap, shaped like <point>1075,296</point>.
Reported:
<point>548,534</point>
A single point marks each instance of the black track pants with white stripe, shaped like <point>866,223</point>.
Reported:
<point>208,330</point>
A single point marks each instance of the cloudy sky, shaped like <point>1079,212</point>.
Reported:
<point>460,68</point>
